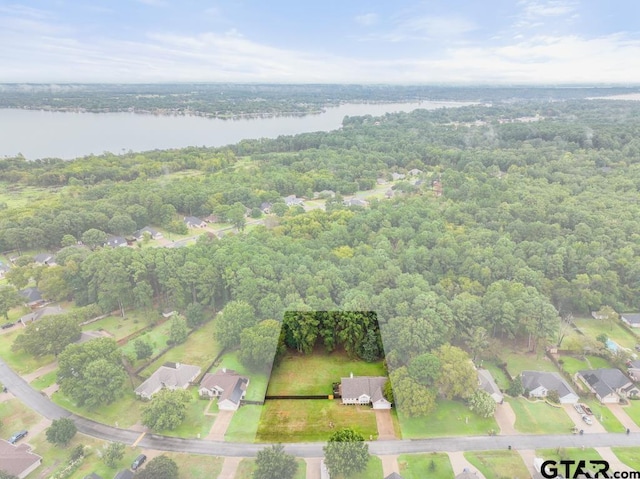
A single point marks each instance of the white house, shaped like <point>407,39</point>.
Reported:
<point>228,386</point>
<point>170,376</point>
<point>364,390</point>
<point>539,383</point>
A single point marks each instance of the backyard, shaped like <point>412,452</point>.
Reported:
<point>594,327</point>
<point>539,417</point>
<point>572,364</point>
<point>498,464</point>
<point>312,420</point>
<point>257,380</point>
<point>518,361</point>
<point>417,466</point>
<point>450,418</point>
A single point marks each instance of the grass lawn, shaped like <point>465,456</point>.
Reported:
<point>45,381</point>
<point>633,411</point>
<point>20,361</point>
<point>244,424</point>
<point>450,418</point>
<point>595,327</point>
<point>418,466</point>
<point>157,337</point>
<point>248,466</point>
<point>16,416</point>
<point>572,365</point>
<point>498,464</point>
<point>257,381</point>
<point>524,361</point>
<point>605,416</point>
<point>55,458</point>
<point>117,326</point>
<point>539,417</point>
<point>93,461</point>
<point>196,424</point>
<point>199,350</point>
<point>373,470</point>
<point>291,376</point>
<point>498,374</point>
<point>310,420</point>
<point>571,454</point>
<point>629,455</point>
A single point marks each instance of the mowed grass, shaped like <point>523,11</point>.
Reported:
<point>573,454</point>
<point>540,417</point>
<point>199,349</point>
<point>633,411</point>
<point>524,361</point>
<point>45,381</point>
<point>450,418</point>
<point>595,327</point>
<point>157,337</point>
<point>195,424</point>
<point>19,361</point>
<point>247,467</point>
<point>605,416</point>
<point>572,364</point>
<point>373,470</point>
<point>419,466</point>
<point>244,424</point>
<point>292,374</point>
<point>257,387</point>
<point>117,326</point>
<point>498,464</point>
<point>498,374</point>
<point>15,416</point>
<point>312,420</point>
<point>629,455</point>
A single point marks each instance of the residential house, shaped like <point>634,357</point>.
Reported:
<point>487,383</point>
<point>393,475</point>
<point>33,297</point>
<point>125,474</point>
<point>265,207</point>
<point>292,200</point>
<point>152,232</point>
<point>194,222</point>
<point>436,185</point>
<point>389,193</point>
<point>40,313</point>
<point>93,475</point>
<point>44,259</point>
<point>539,383</point>
<point>364,390</point>
<point>116,242</point>
<point>608,384</point>
<point>4,269</point>
<point>355,202</point>
<point>634,369</point>
<point>631,319</point>
<point>18,461</point>
<point>169,375</point>
<point>212,219</point>
<point>398,176</point>
<point>227,385</point>
<point>415,172</point>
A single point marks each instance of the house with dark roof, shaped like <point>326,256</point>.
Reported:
<point>93,475</point>
<point>152,232</point>
<point>18,461</point>
<point>116,242</point>
<point>488,384</point>
<point>292,200</point>
<point>194,222</point>
<point>608,384</point>
<point>631,319</point>
<point>355,202</point>
<point>170,376</point>
<point>40,313</point>
<point>364,390</point>
<point>228,386</point>
<point>124,474</point>
<point>265,207</point>
<point>44,259</point>
<point>539,383</point>
<point>393,475</point>
<point>33,297</point>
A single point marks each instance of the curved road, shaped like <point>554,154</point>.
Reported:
<point>44,406</point>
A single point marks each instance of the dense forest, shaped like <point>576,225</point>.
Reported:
<point>537,219</point>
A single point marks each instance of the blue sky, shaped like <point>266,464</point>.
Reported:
<point>348,41</point>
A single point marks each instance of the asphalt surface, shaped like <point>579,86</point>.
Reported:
<point>45,407</point>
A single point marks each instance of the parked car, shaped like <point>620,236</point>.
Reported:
<point>637,347</point>
<point>579,408</point>
<point>17,436</point>
<point>7,326</point>
<point>587,420</point>
<point>138,461</point>
<point>587,409</point>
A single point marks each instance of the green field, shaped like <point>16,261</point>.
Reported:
<point>629,455</point>
<point>291,376</point>
<point>539,417</point>
<point>419,466</point>
<point>16,416</point>
<point>244,424</point>
<point>373,470</point>
<point>450,418</point>
<point>20,362</point>
<point>117,326</point>
<point>521,361</point>
<point>595,327</point>
<point>498,464</point>
<point>312,420</point>
<point>572,365</point>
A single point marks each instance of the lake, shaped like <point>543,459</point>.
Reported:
<point>44,134</point>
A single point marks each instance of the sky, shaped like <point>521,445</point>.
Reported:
<point>329,41</point>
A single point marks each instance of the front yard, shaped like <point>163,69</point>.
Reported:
<point>633,410</point>
<point>498,464</point>
<point>604,415</point>
<point>450,418</point>
<point>312,420</point>
<point>418,466</point>
<point>573,454</point>
<point>629,455</point>
<point>539,417</point>
<point>248,466</point>
<point>20,362</point>
<point>244,424</point>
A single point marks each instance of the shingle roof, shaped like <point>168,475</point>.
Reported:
<point>393,475</point>
<point>632,318</point>
<point>125,474</point>
<point>232,384</point>
<point>16,459</point>
<point>550,381</point>
<point>147,229</point>
<point>114,241</point>
<point>604,381</point>
<point>355,387</point>
<point>43,258</point>
<point>171,375</point>
<point>487,382</point>
<point>31,294</point>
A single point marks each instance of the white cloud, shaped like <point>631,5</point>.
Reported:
<point>153,3</point>
<point>367,19</point>
<point>547,8</point>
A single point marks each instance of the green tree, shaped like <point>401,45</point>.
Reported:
<point>608,315</point>
<point>68,240</point>
<point>142,348</point>
<point>425,369</point>
<point>160,467</point>
<point>477,341</point>
<point>195,315</point>
<point>49,335</point>
<point>178,330</point>
<point>371,347</point>
<point>482,403</point>
<point>273,463</point>
<point>94,238</point>
<point>260,344</point>
<point>230,322</point>
<point>61,431</point>
<point>515,387</point>
<point>458,377</point>
<point>6,475</point>
<point>113,454</point>
<point>411,398</point>
<point>9,298</point>
<point>166,410</point>
<point>346,453</point>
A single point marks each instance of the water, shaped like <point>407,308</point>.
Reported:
<point>43,134</point>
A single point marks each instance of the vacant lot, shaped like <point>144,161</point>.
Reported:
<point>312,420</point>
<point>244,424</point>
<point>299,374</point>
<point>117,326</point>
<point>595,327</point>
<point>157,337</point>
<point>518,361</point>
<point>419,466</point>
<point>450,418</point>
<point>540,418</point>
<point>493,464</point>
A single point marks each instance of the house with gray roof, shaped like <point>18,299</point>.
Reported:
<point>124,474</point>
<point>32,297</point>
<point>18,461</point>
<point>170,376</point>
<point>355,202</point>
<point>228,386</point>
<point>194,222</point>
<point>393,475</point>
<point>152,232</point>
<point>539,383</point>
<point>608,384</point>
<point>116,242</point>
<point>44,259</point>
<point>631,319</point>
<point>488,384</point>
<point>292,200</point>
<point>364,390</point>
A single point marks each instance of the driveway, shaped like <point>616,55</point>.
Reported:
<point>384,421</point>
<point>459,463</point>
<point>229,467</point>
<point>220,425</point>
<point>313,467</point>
<point>528,455</point>
<point>579,423</point>
<point>506,419</point>
<point>619,412</point>
<point>389,465</point>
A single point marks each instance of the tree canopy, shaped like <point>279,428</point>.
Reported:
<point>346,453</point>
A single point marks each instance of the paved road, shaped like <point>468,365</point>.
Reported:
<point>41,404</point>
